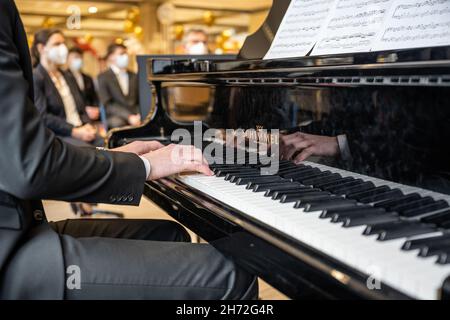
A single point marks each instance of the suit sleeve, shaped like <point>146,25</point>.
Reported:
<point>107,100</point>
<point>54,123</point>
<point>37,165</point>
<point>91,93</point>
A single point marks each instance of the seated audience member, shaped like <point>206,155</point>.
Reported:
<point>118,89</point>
<point>56,95</point>
<point>196,42</point>
<point>84,82</point>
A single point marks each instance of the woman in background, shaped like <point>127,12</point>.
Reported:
<point>56,95</point>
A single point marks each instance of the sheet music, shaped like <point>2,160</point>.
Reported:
<point>353,27</point>
<point>300,29</point>
<point>415,24</point>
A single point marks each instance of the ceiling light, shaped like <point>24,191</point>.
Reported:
<point>93,10</point>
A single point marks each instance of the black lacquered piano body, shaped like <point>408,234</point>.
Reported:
<point>392,106</point>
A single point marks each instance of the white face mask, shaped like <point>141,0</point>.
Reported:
<point>123,61</point>
<point>76,64</point>
<point>58,55</point>
<point>198,48</point>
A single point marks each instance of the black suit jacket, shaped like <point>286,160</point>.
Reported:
<point>89,93</point>
<point>112,97</point>
<point>35,165</point>
<point>50,104</point>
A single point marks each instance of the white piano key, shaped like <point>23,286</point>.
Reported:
<point>403,270</point>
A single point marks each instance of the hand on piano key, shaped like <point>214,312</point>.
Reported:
<point>175,159</point>
<point>300,146</point>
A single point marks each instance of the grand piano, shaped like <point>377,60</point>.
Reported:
<point>369,225</point>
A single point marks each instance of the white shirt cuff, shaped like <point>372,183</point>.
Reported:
<point>148,167</point>
<point>344,148</point>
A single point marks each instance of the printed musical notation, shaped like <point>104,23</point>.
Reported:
<point>353,27</point>
<point>348,26</point>
<point>300,29</point>
<point>415,24</point>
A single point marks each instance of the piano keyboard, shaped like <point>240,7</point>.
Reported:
<point>390,232</point>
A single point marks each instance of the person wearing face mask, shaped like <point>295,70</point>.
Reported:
<point>196,42</point>
<point>56,94</point>
<point>84,83</point>
<point>118,89</point>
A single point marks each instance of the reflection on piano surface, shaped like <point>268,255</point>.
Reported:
<point>370,223</point>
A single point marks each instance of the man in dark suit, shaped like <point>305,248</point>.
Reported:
<point>89,259</point>
<point>118,89</point>
<point>84,83</point>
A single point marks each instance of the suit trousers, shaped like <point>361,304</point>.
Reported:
<point>145,259</point>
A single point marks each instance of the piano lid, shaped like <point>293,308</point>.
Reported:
<point>387,49</point>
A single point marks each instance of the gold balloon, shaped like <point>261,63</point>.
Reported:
<point>133,14</point>
<point>226,34</point>
<point>128,26</point>
<point>88,38</point>
<point>138,31</point>
<point>178,32</point>
<point>209,18</point>
<point>30,39</point>
<point>220,40</point>
<point>48,23</point>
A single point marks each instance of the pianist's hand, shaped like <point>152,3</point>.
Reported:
<point>140,147</point>
<point>175,159</point>
<point>300,146</point>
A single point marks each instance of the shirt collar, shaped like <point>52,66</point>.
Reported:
<point>117,70</point>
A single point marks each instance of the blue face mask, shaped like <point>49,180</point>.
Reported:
<point>123,61</point>
<point>76,64</point>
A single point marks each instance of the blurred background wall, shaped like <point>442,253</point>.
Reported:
<point>144,26</point>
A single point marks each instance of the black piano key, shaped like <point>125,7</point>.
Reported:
<point>342,186</point>
<point>412,205</point>
<point>358,209</point>
<point>303,203</point>
<point>262,187</point>
<point>437,205</point>
<point>377,228</point>
<point>233,176</point>
<point>302,174</point>
<point>363,220</point>
<point>438,219</point>
<point>330,204</point>
<point>290,170</point>
<point>444,257</point>
<point>311,176</point>
<point>389,204</point>
<point>224,172</point>
<point>278,194</point>
<point>287,164</point>
<point>396,230</point>
<point>310,196</point>
<point>334,183</point>
<point>434,249</point>
<point>358,195</point>
<point>360,187</point>
<point>393,194</point>
<point>244,181</point>
<point>422,242</point>
<point>320,180</point>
